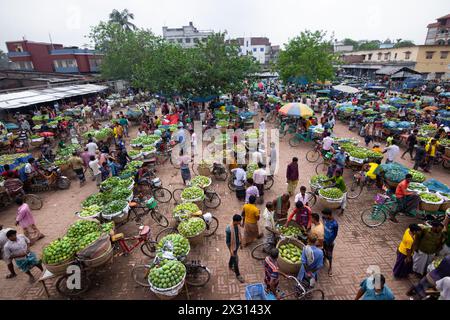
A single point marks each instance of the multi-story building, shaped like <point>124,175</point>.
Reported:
<point>439,32</point>
<point>433,62</point>
<point>258,47</point>
<point>186,36</point>
<point>51,57</point>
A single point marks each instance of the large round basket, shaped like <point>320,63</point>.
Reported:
<point>169,293</point>
<point>447,152</point>
<point>101,259</point>
<point>196,240</point>
<point>330,203</point>
<point>204,171</point>
<point>118,217</point>
<point>60,268</point>
<point>430,207</point>
<point>286,266</point>
<point>444,206</point>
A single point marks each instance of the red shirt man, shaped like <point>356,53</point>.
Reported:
<point>401,190</point>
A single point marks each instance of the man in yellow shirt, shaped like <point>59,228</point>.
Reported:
<point>404,264</point>
<point>431,149</point>
<point>251,215</point>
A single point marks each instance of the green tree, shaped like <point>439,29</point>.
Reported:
<point>4,61</point>
<point>370,45</point>
<point>404,43</point>
<point>122,18</point>
<point>308,55</point>
<point>351,42</point>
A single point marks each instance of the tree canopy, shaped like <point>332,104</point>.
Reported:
<point>308,55</point>
<point>404,44</point>
<point>122,18</point>
<point>149,62</point>
<point>4,60</point>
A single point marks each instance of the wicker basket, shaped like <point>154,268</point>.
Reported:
<point>430,207</point>
<point>100,260</point>
<point>285,266</point>
<point>59,269</point>
<point>330,203</point>
<point>170,293</point>
<point>204,171</point>
<point>196,240</point>
<point>444,206</point>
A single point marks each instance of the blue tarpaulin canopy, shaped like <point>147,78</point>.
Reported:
<point>204,99</point>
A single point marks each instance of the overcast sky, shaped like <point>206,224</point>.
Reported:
<point>68,21</point>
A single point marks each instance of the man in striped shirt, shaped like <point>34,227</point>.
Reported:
<point>272,272</point>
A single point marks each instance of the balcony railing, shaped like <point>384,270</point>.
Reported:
<point>14,54</point>
<point>67,69</point>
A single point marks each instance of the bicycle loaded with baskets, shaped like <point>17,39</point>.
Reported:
<point>209,198</point>
<point>13,188</point>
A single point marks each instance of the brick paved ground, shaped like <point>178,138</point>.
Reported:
<point>357,246</point>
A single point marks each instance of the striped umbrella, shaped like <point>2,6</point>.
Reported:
<point>297,110</point>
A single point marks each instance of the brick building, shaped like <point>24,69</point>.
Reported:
<point>51,57</point>
<point>439,32</point>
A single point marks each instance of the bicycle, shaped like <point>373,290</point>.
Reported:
<point>268,183</point>
<point>210,201</point>
<point>197,275</point>
<point>144,239</point>
<point>14,187</point>
<point>314,154</point>
<point>212,224</point>
<point>359,181</point>
<point>302,290</point>
<point>218,171</point>
<point>155,188</point>
<point>141,210</point>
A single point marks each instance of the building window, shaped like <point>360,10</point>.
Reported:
<point>379,55</point>
<point>66,63</point>
<point>440,43</point>
<point>254,49</point>
<point>387,55</point>
<point>180,40</point>
<point>196,40</point>
<point>246,43</point>
<point>262,49</point>
<point>407,55</point>
<point>23,65</point>
<point>187,40</point>
<point>444,54</point>
<point>369,57</point>
<point>439,75</point>
<point>429,55</point>
<point>19,48</point>
<point>395,56</point>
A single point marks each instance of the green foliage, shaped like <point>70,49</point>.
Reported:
<point>122,18</point>
<point>151,63</point>
<point>308,55</point>
<point>4,60</point>
<point>404,44</point>
<point>371,45</point>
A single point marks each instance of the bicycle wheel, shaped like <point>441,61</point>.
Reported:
<point>258,252</point>
<point>140,275</point>
<point>314,294</point>
<point>165,232</point>
<point>231,185</point>
<point>212,227</point>
<point>446,164</point>
<point>176,194</point>
<point>212,200</point>
<point>197,276</point>
<point>222,176</point>
<point>294,142</point>
<point>195,169</point>
<point>322,168</point>
<point>355,190</point>
<point>33,201</point>
<point>63,183</point>
<point>312,199</point>
<point>69,289</point>
<point>312,155</point>
<point>148,248</point>
<point>373,217</point>
<point>162,195</point>
<point>159,218</point>
<point>269,183</point>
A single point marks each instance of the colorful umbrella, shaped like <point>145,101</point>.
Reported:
<point>46,134</point>
<point>430,108</point>
<point>297,110</point>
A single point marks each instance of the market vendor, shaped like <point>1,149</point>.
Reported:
<point>338,182</point>
<point>239,182</point>
<point>408,202</point>
<point>302,215</point>
<point>8,173</point>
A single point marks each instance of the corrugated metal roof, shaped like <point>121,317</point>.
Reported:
<point>29,97</point>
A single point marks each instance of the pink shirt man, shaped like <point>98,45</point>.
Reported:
<point>24,216</point>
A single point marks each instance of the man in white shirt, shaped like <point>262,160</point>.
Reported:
<point>3,240</point>
<point>303,197</point>
<point>327,142</point>
<point>392,152</point>
<point>308,102</point>
<point>255,106</point>
<point>270,228</point>
<point>262,126</point>
<point>259,178</point>
<point>240,176</point>
<point>194,141</point>
<point>92,147</point>
<point>273,158</point>
<point>257,157</point>
<point>95,167</point>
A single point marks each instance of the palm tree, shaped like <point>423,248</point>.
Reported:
<point>123,19</point>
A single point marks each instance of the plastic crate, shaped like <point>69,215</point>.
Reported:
<point>257,292</point>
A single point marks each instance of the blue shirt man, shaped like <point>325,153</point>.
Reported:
<point>340,159</point>
<point>371,289</point>
<point>330,231</point>
<point>312,262</point>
